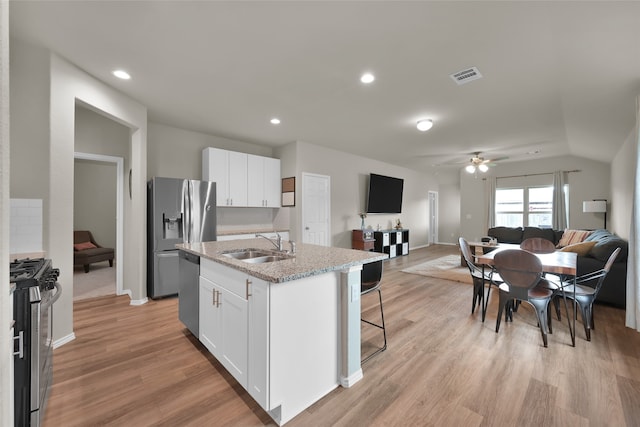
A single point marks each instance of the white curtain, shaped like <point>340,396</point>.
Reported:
<point>491,201</point>
<point>559,220</point>
<point>633,272</point>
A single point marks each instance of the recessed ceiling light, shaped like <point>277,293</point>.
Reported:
<point>275,121</point>
<point>121,74</point>
<point>367,78</point>
<point>424,125</point>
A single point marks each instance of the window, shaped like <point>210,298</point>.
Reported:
<point>524,207</point>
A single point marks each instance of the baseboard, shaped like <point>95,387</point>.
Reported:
<point>62,341</point>
<point>347,382</point>
<point>447,243</point>
<point>139,301</point>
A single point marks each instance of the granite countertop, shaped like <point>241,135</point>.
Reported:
<point>250,231</point>
<point>309,260</point>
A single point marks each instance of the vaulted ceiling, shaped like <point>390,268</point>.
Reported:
<point>557,77</point>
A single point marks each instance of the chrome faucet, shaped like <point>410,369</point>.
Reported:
<point>277,243</point>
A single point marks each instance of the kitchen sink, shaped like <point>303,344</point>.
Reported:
<point>256,256</point>
<point>263,259</point>
<point>247,253</point>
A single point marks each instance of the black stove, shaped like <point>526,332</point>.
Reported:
<point>33,271</point>
<point>36,289</point>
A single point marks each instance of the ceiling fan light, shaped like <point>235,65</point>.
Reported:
<point>483,168</point>
<point>470,168</point>
<point>424,125</point>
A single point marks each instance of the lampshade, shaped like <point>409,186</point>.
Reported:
<point>483,167</point>
<point>594,206</point>
<point>470,168</point>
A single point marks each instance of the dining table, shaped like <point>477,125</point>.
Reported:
<point>563,264</point>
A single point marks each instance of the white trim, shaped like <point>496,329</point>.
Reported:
<point>347,382</point>
<point>60,342</point>
<point>138,301</point>
<point>119,161</point>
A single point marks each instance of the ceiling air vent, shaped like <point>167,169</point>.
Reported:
<point>465,76</point>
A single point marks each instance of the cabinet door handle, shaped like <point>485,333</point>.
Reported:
<point>248,282</point>
<point>213,298</point>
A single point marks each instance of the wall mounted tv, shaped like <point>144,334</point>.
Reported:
<point>385,194</point>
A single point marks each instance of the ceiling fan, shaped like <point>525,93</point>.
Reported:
<point>480,163</point>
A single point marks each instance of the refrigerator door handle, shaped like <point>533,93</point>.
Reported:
<point>186,209</point>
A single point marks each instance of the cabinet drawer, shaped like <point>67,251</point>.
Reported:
<point>227,278</point>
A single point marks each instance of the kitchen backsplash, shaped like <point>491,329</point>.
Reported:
<point>25,226</point>
<point>230,218</point>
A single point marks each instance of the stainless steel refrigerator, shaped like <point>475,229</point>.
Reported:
<point>179,211</point>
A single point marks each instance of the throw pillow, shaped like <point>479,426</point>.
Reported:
<point>573,236</point>
<point>82,246</point>
<point>582,248</point>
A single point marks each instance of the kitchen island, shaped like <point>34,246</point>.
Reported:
<point>289,330</point>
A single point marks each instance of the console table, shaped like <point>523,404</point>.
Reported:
<point>362,240</point>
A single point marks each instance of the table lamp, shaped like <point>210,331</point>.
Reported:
<point>596,206</point>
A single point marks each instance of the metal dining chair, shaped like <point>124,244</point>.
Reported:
<point>479,279</point>
<point>521,272</point>
<point>538,245</point>
<point>371,278</point>
<point>585,295</point>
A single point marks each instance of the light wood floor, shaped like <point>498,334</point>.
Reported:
<point>138,366</point>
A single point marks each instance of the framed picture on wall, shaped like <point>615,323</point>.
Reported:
<point>288,192</point>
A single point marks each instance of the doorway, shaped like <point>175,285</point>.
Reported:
<point>118,162</point>
<point>316,209</point>
<point>433,217</point>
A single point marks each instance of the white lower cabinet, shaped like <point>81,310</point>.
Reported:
<point>223,316</point>
<point>279,340</point>
<point>234,325</point>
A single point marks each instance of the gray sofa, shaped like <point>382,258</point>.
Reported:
<point>614,289</point>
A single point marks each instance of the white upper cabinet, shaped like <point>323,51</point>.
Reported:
<point>263,181</point>
<point>242,179</point>
<point>228,169</point>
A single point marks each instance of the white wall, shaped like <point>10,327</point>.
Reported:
<point>69,87</point>
<point>177,153</point>
<point>29,125</point>
<point>349,175</point>
<point>622,177</point>
<point>448,207</point>
<point>94,181</point>
<point>592,182</point>
<point>94,200</point>
<point>6,334</point>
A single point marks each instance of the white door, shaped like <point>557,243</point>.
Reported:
<point>433,217</point>
<point>316,209</point>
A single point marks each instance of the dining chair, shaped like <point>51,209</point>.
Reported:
<point>521,272</point>
<point>479,279</point>
<point>371,278</point>
<point>585,294</point>
<point>538,245</point>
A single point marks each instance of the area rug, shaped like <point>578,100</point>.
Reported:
<point>447,267</point>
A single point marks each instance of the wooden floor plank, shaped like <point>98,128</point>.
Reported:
<point>138,365</point>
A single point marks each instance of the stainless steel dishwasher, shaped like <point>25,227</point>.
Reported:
<point>188,291</point>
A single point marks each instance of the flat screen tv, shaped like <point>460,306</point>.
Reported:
<point>385,194</point>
